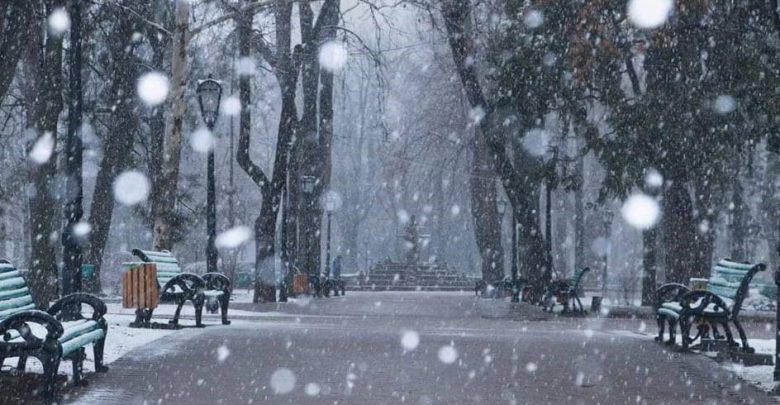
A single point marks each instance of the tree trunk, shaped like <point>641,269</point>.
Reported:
<point>579,213</point>
<point>15,18</point>
<point>484,212</point>
<point>165,211</point>
<point>738,225</point>
<point>117,146</point>
<point>520,180</point>
<point>531,243</point>
<point>679,228</point>
<point>156,150</point>
<point>649,268</point>
<point>45,103</point>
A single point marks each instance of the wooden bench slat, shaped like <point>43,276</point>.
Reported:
<point>9,312</point>
<point>69,346</point>
<point>12,283</point>
<point>10,274</point>
<point>5,268</point>
<point>8,294</point>
<point>15,302</point>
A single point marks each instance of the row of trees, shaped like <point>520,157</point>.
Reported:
<point>125,40</point>
<point>692,100</point>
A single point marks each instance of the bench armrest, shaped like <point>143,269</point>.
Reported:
<point>98,306</point>
<point>189,283</point>
<point>671,292</point>
<point>19,322</point>
<point>217,281</point>
<point>694,302</point>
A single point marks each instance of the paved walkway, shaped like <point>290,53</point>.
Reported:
<point>353,350</point>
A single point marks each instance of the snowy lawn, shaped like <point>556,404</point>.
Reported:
<point>760,376</point>
<point>121,339</point>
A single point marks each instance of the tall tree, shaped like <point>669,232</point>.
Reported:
<point>118,143</point>
<point>15,18</point>
<point>43,97</point>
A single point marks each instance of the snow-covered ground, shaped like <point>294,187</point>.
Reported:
<point>122,338</point>
<point>760,376</point>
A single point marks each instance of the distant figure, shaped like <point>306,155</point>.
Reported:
<point>336,272</point>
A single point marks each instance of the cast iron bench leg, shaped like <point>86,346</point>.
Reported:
<point>661,321</point>
<point>78,366</point>
<point>179,304</point>
<point>51,363</point>
<point>745,346</point>
<point>198,303</point>
<point>22,364</point>
<point>672,330</point>
<point>729,335</point>
<point>98,349</point>
<point>224,301</point>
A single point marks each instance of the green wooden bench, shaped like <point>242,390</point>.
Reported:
<point>567,291</point>
<point>719,304</point>
<point>210,289</point>
<point>22,329</point>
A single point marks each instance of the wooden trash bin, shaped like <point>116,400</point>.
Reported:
<point>300,284</point>
<point>139,287</point>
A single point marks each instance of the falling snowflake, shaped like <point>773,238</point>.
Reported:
<point>588,333</point>
<point>403,216</point>
<point>333,56</point>
<point>231,106</point>
<point>536,142</point>
<point>531,367</point>
<point>312,389</point>
<point>246,66</point>
<point>82,229</point>
<point>654,179</point>
<point>455,210</point>
<point>43,148</point>
<point>448,354</point>
<point>59,21</point>
<point>409,340</point>
<point>648,14</point>
<point>131,187</point>
<point>202,140</point>
<point>724,104</point>
<point>533,19</point>
<point>477,114</point>
<point>222,353</point>
<point>153,88</point>
<point>282,381</point>
<point>233,237</point>
<point>641,211</point>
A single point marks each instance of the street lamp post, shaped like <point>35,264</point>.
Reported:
<point>607,230</point>
<point>72,254</point>
<point>308,184</point>
<point>515,286</point>
<point>501,208</point>
<point>209,95</point>
<point>330,206</point>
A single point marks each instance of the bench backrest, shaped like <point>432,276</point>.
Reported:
<point>167,266</point>
<point>574,281</point>
<point>730,280</point>
<point>14,294</point>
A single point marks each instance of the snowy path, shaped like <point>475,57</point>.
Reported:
<point>359,349</point>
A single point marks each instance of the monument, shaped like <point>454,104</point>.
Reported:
<point>411,273</point>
